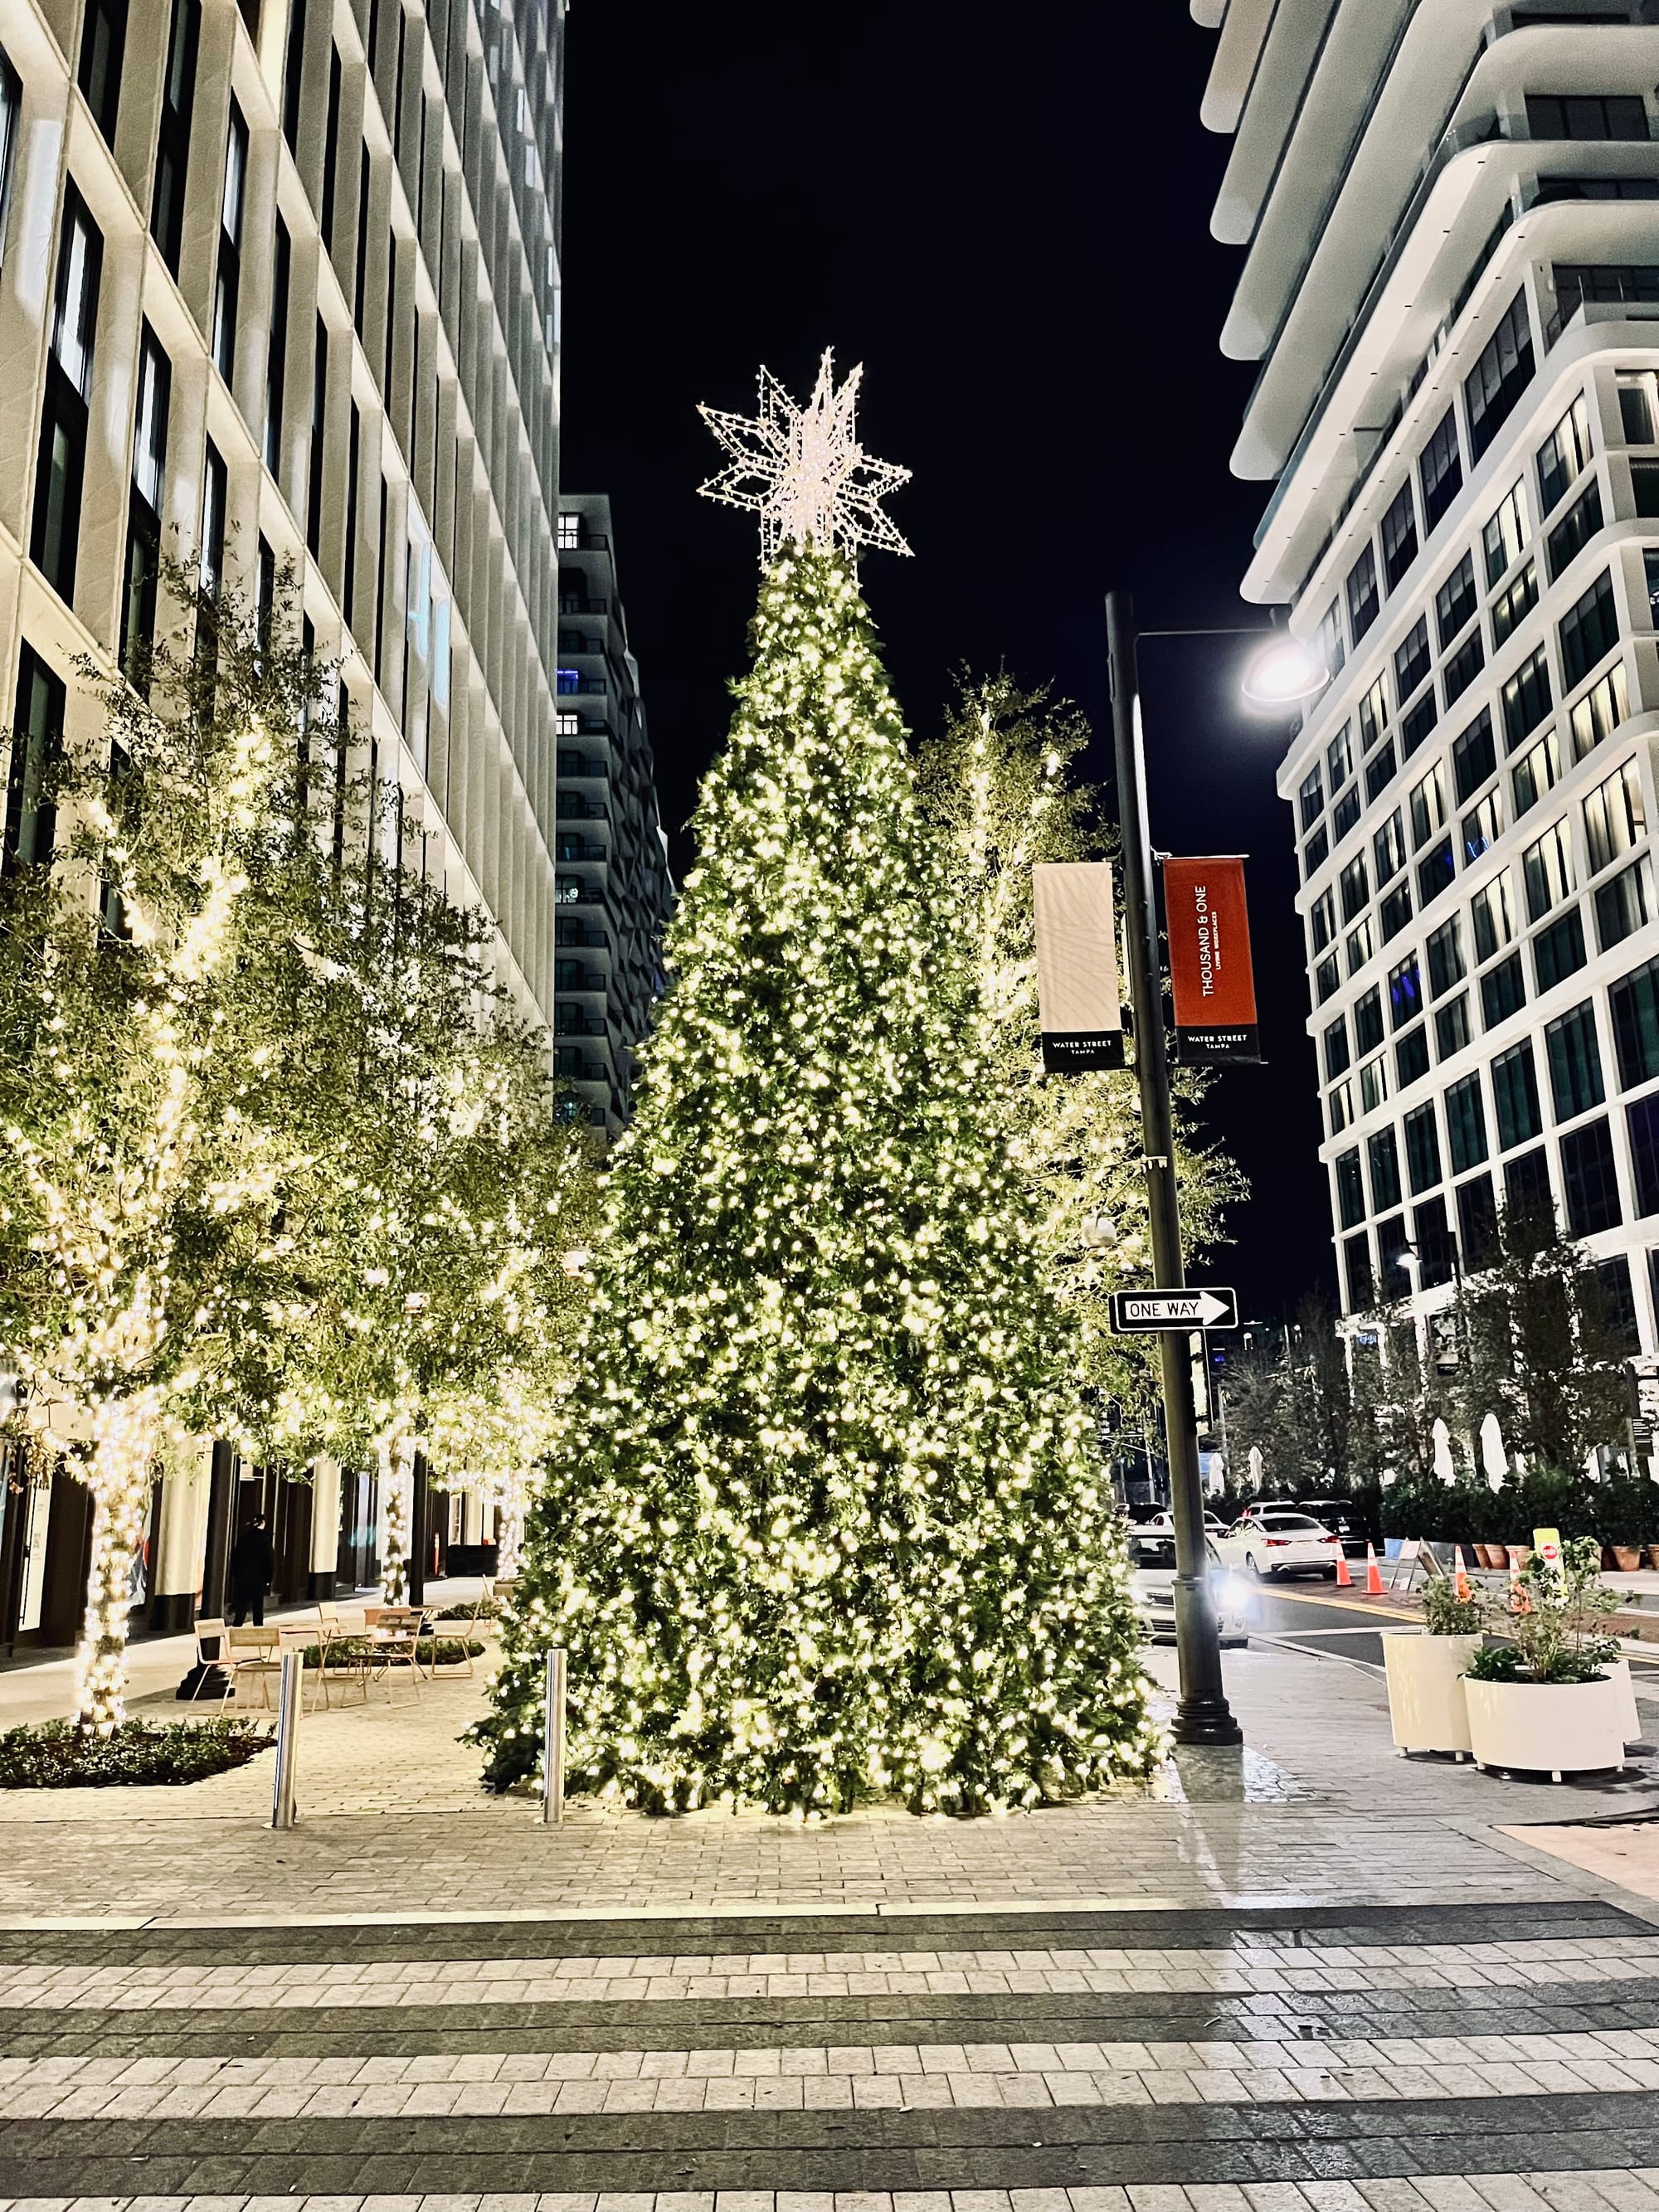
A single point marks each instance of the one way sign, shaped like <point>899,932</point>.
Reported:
<point>1136,1310</point>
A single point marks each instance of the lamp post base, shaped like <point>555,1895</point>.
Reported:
<point>1205,1721</point>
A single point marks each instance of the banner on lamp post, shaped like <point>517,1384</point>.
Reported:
<point>1209,927</point>
<point>1081,1009</point>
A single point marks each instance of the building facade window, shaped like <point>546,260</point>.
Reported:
<point>1474,756</point>
<point>1410,661</point>
<point>1456,601</point>
<point>1547,871</point>
<point>1399,536</point>
<point>1502,992</point>
<point>1590,629</point>
<point>1514,603</point>
<point>1464,666</point>
<point>1641,1127</point>
<point>1477,1222</point>
<point>1574,531</point>
<point>144,559</point>
<point>1350,1191</point>
<point>1494,916</point>
<point>1614,817</point>
<point>1515,1097</point>
<point>1499,376</point>
<point>1505,534</point>
<point>1384,1157</point>
<point>1564,455</point>
<point>1633,1005</point>
<point>1452,1027</point>
<point>1590,1180</point>
<point>166,206</point>
<point>1558,951</point>
<point>1575,1063</point>
<point>37,740</point>
<point>1526,698</point>
<point>1535,772</point>
<point>1623,905</point>
<point>1363,599</point>
<point>60,468</point>
<point>1594,718</point>
<point>228,277</point>
<point>103,47</point>
<point>1440,469</point>
<point>1422,1150</point>
<point>1445,950</point>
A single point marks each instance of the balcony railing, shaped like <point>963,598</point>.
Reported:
<point>573,603</point>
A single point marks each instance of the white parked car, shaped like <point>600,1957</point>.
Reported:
<point>1213,1526</point>
<point>1151,1554</point>
<point>1281,1541</point>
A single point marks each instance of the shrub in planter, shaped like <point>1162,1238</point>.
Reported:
<point>1424,1671</point>
<point>1545,1701</point>
<point>1627,1516</point>
<point>489,1610</point>
<point>55,1755</point>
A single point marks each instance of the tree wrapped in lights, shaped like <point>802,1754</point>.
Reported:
<point>128,1152</point>
<point>436,1181</point>
<point>823,1520</point>
<point>1000,783</point>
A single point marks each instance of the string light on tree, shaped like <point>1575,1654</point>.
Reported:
<point>823,1520</point>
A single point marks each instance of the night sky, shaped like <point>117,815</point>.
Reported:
<point>1003,213</point>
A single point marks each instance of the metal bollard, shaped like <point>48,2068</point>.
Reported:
<point>284,1811</point>
<point>553,1742</point>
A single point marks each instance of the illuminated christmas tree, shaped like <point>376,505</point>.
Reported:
<point>823,1520</point>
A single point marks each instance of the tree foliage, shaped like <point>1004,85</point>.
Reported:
<point>823,1519</point>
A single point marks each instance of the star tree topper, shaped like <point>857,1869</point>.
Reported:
<point>803,470</point>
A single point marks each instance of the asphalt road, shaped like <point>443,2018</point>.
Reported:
<point>1308,1615</point>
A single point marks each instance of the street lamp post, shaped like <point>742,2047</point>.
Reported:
<point>1203,1715</point>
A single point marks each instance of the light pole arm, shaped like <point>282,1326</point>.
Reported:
<point>1203,1715</point>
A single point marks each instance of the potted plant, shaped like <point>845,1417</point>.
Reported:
<point>1425,1668</point>
<point>1626,1518</point>
<point>1545,1701</point>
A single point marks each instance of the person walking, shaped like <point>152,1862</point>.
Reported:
<point>252,1563</point>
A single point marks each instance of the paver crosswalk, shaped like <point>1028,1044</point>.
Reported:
<point>1295,2059</point>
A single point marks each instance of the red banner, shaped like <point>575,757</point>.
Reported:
<point>1209,927</point>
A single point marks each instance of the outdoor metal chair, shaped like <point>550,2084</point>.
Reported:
<point>395,1633</point>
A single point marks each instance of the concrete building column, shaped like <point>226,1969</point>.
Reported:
<point>181,1541</point>
<point>325,1526</point>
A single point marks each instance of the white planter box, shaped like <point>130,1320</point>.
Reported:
<point>1547,1728</point>
<point>1630,1719</point>
<point>1425,1688</point>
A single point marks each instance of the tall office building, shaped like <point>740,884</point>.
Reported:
<point>279,282</point>
<point>614,888</point>
<point>1450,223</point>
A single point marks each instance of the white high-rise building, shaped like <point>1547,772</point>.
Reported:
<point>1450,217</point>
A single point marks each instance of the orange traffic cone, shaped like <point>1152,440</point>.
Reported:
<point>1462,1572</point>
<point>1344,1579</point>
<point>1373,1573</point>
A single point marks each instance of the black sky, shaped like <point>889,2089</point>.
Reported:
<point>1002,211</point>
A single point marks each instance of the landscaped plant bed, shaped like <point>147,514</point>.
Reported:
<point>345,1651</point>
<point>55,1755</point>
<point>488,1610</point>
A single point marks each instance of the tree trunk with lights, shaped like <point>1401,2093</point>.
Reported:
<point>394,1452</point>
<point>509,1528</point>
<point>824,1521</point>
<point>120,1474</point>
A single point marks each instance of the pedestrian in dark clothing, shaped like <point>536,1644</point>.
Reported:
<point>252,1563</point>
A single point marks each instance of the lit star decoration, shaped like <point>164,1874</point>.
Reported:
<point>804,471</point>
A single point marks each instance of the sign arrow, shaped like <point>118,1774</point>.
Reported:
<point>1136,1311</point>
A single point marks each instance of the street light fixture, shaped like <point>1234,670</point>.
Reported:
<point>1280,676</point>
<point>1283,675</point>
